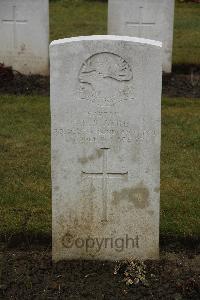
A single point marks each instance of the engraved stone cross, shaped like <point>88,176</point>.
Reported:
<point>14,22</point>
<point>141,23</point>
<point>105,175</point>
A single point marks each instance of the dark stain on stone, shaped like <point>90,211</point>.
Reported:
<point>157,189</point>
<point>98,153</point>
<point>23,47</point>
<point>138,195</point>
<point>150,212</point>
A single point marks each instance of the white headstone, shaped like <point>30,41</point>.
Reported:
<point>150,19</point>
<point>105,108</point>
<point>24,35</point>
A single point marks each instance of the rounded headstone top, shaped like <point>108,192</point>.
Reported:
<point>106,38</point>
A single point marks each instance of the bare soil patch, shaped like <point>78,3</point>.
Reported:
<point>30,274</point>
<point>183,82</point>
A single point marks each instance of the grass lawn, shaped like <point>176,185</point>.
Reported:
<point>25,186</point>
<point>85,17</point>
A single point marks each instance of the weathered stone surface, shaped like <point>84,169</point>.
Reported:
<point>24,35</point>
<point>105,108</point>
<point>151,19</point>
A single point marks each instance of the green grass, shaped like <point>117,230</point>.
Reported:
<point>25,186</point>
<point>180,165</point>
<point>77,17</point>
<point>187,34</point>
<point>25,181</point>
<point>81,17</point>
<point>25,164</point>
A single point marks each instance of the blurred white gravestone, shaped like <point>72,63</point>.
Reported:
<point>105,108</point>
<point>150,19</point>
<point>24,35</point>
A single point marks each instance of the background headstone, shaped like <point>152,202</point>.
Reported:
<point>105,108</point>
<point>150,19</point>
<point>24,35</point>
